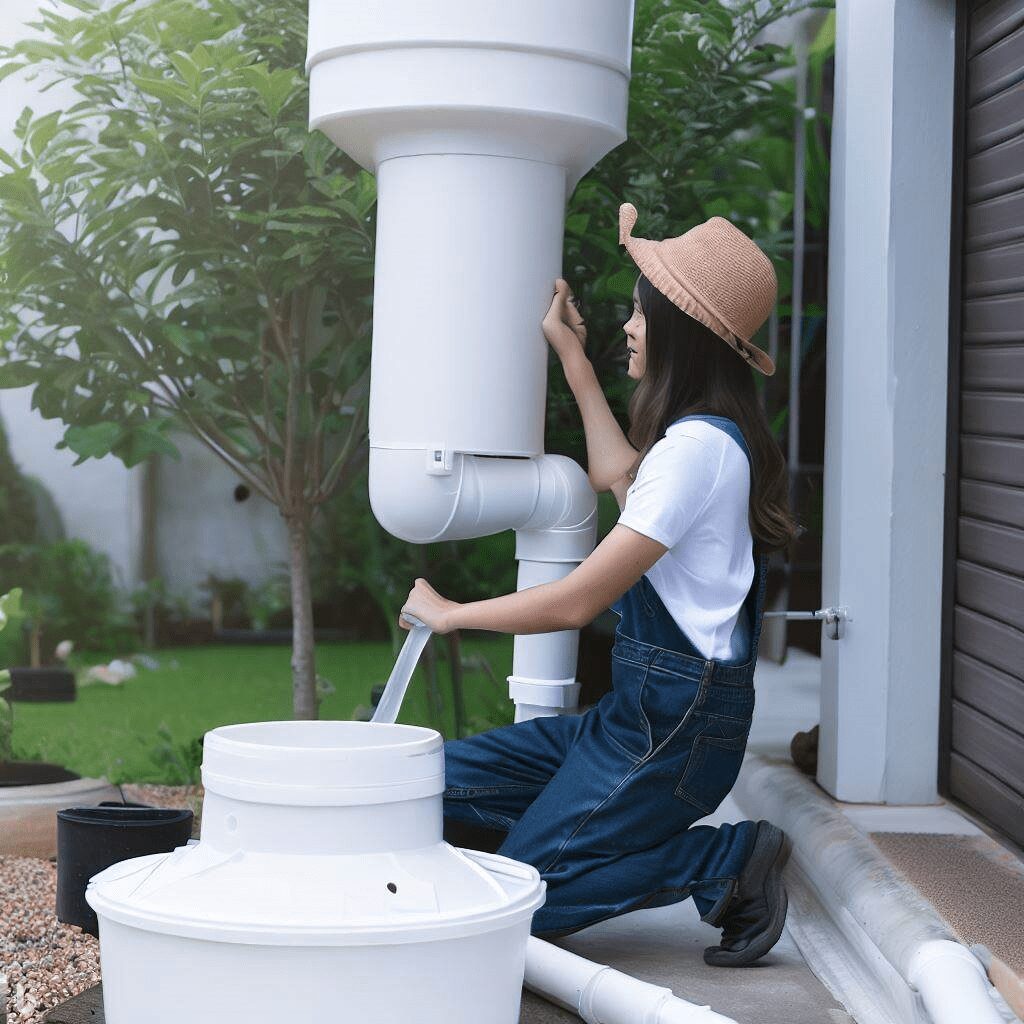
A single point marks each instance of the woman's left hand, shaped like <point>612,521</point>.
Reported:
<point>429,607</point>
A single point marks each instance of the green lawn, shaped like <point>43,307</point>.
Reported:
<point>140,731</point>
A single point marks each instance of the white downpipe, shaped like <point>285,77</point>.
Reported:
<point>953,984</point>
<point>602,995</point>
<point>478,117</point>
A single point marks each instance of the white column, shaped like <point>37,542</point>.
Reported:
<point>886,402</point>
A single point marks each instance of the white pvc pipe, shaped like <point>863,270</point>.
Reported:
<point>953,984</point>
<point>602,995</point>
<point>468,248</point>
<point>857,884</point>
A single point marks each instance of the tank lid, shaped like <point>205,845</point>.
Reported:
<point>435,892</point>
<point>323,764</point>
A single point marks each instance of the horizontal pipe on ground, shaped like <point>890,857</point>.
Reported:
<point>858,885</point>
<point>602,995</point>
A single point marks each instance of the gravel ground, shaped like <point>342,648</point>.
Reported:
<point>46,962</point>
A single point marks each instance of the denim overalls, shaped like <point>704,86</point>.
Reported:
<point>602,803</point>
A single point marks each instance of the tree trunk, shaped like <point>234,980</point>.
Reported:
<point>148,556</point>
<point>35,636</point>
<point>304,698</point>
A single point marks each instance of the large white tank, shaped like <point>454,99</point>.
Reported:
<point>478,117</point>
<point>320,890</point>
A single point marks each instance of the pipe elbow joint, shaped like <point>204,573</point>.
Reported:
<point>407,501</point>
<point>563,524</point>
<point>422,496</point>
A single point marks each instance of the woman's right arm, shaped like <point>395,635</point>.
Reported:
<point>610,456</point>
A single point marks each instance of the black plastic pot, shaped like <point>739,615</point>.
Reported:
<point>90,839</point>
<point>42,684</point>
<point>33,773</point>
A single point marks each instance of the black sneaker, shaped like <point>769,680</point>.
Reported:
<point>753,920</point>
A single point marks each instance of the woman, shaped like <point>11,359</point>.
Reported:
<point>602,804</point>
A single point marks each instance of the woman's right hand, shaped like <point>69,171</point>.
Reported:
<point>563,325</point>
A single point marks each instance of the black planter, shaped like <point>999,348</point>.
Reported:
<point>90,839</point>
<point>41,684</point>
<point>33,773</point>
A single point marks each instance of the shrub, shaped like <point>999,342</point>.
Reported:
<point>69,594</point>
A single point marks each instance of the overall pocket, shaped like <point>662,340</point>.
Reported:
<point>666,703</point>
<point>714,762</point>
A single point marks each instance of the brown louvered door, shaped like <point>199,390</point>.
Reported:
<point>984,636</point>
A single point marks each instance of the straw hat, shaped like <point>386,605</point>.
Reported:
<point>713,272</point>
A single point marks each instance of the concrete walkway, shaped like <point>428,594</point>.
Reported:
<point>664,946</point>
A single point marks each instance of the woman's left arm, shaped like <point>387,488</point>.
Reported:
<point>569,603</point>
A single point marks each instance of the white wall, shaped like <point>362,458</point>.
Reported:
<point>886,402</point>
<point>202,529</point>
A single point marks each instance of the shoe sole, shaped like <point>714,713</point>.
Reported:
<point>775,892</point>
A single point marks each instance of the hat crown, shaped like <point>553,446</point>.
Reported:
<point>728,270</point>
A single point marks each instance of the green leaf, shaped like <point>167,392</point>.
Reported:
<point>144,441</point>
<point>185,66</point>
<point>576,223</point>
<point>92,442</point>
<point>165,89</point>
<point>18,375</point>
<point>41,132</point>
<point>9,69</point>
<point>621,283</point>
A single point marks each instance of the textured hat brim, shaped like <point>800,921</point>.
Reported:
<point>646,254</point>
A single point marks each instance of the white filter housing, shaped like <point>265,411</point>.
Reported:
<point>320,889</point>
<point>478,118</point>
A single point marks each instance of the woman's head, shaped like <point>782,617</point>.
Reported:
<point>682,367</point>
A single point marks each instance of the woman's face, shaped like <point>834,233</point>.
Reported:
<point>636,340</point>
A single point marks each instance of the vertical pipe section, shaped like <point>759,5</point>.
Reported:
<point>543,680</point>
<point>468,248</point>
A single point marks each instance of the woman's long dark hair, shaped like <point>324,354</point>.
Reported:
<point>688,370</point>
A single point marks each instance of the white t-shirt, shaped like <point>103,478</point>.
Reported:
<point>691,493</point>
